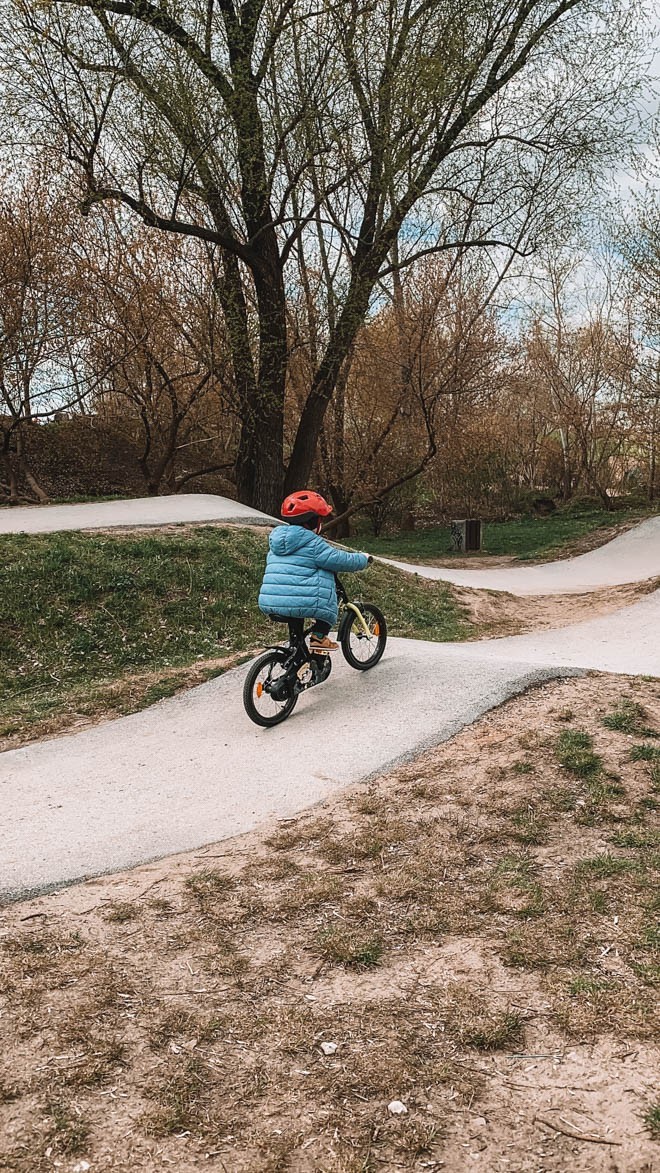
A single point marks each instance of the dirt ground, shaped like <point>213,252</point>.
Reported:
<point>496,613</point>
<point>455,966</point>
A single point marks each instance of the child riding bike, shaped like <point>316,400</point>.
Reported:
<point>299,581</point>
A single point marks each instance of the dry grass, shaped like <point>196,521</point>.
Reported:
<point>450,930</point>
<point>91,704</point>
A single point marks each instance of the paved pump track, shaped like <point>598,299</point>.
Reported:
<point>192,770</point>
<point>633,556</point>
<point>140,511</point>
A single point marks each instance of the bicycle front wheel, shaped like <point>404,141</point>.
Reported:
<point>267,696</point>
<point>362,649</point>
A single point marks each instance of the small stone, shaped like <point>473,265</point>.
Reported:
<point>397,1108</point>
<point>479,1122</point>
<point>81,1167</point>
<point>328,1048</point>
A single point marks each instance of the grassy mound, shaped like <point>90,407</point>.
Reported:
<point>522,537</point>
<point>90,622</point>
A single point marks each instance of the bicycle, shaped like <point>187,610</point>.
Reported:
<point>277,678</point>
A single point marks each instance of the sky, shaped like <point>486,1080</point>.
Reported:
<point>629,183</point>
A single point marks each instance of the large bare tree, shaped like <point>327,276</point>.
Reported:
<point>356,134</point>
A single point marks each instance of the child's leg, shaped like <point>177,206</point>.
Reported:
<point>321,628</point>
<point>296,628</point>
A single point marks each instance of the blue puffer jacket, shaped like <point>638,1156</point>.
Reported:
<point>299,579</point>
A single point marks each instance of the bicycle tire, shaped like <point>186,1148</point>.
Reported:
<point>351,626</point>
<point>249,688</point>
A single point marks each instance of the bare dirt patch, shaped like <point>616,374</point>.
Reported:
<point>496,613</point>
<point>474,936</point>
<point>176,528</point>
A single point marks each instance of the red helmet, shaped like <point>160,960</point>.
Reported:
<point>297,504</point>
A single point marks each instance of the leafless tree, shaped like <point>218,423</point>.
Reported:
<point>39,349</point>
<point>358,134</point>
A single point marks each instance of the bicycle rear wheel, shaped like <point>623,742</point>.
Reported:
<point>362,650</point>
<point>269,698</point>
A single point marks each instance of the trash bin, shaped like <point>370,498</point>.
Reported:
<point>466,534</point>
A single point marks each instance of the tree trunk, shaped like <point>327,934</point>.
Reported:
<point>341,503</point>
<point>341,498</point>
<point>8,460</point>
<point>23,467</point>
<point>325,380</point>
<point>260,469</point>
<point>261,455</point>
<point>601,493</point>
<point>259,461</point>
<point>40,494</point>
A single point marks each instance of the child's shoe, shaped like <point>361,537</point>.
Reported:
<point>318,643</point>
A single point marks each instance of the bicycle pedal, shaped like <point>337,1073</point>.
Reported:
<point>320,651</point>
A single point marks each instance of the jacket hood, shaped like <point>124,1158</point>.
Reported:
<point>287,539</point>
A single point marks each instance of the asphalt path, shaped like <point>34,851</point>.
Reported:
<point>141,511</point>
<point>625,641</point>
<point>633,556</point>
<point>193,769</point>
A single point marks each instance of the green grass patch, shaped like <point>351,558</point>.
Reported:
<point>517,870</point>
<point>522,537</point>
<point>651,1120</point>
<point>637,840</point>
<point>499,1032</point>
<point>76,605</point>
<point>588,987</point>
<point>604,787</point>
<point>80,612</point>
<point>605,866</point>
<point>529,827</point>
<point>650,938</point>
<point>69,1132</point>
<point>354,949</point>
<point>574,750</point>
<point>645,753</point>
<point>628,717</point>
<point>598,901</point>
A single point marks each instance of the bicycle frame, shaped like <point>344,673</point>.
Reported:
<point>346,605</point>
<point>360,617</point>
